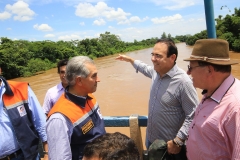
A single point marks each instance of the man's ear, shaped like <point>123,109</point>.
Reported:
<point>210,69</point>
<point>78,80</point>
<point>173,57</point>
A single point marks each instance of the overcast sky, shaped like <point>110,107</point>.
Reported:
<point>37,20</point>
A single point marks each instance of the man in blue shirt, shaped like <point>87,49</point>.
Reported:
<point>22,122</point>
<point>173,98</point>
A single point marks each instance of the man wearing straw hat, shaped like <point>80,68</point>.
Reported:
<point>214,132</point>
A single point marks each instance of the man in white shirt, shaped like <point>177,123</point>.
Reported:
<point>55,92</point>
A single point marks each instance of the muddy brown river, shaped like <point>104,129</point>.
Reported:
<point>121,91</point>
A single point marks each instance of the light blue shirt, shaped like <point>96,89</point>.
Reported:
<point>8,141</point>
<point>51,97</point>
<point>60,124</point>
<point>172,103</point>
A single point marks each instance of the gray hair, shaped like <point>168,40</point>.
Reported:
<point>76,67</point>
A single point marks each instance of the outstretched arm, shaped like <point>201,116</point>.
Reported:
<point>125,58</point>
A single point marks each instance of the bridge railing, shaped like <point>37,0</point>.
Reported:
<point>134,122</point>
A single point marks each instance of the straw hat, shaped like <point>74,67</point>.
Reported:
<point>215,51</point>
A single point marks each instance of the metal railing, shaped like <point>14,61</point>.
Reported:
<point>134,122</point>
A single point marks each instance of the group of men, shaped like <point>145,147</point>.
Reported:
<point>192,129</point>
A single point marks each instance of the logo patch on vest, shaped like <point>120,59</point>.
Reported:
<point>88,126</point>
<point>21,110</point>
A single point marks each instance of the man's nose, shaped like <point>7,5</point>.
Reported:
<point>98,79</point>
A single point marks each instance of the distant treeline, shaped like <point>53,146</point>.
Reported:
<point>227,28</point>
<point>25,58</point>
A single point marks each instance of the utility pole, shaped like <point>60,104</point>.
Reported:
<point>210,21</point>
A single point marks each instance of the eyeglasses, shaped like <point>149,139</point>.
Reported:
<point>157,56</point>
<point>191,68</point>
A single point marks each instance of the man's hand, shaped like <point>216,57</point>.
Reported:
<point>125,58</point>
<point>45,148</point>
<point>173,148</point>
<point>45,157</point>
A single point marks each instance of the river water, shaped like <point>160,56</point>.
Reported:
<point>121,91</point>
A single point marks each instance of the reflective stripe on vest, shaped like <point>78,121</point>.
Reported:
<point>21,118</point>
<point>75,113</point>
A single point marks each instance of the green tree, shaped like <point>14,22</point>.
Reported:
<point>163,35</point>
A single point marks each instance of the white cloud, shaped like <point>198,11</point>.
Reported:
<point>69,37</point>
<point>201,20</point>
<point>5,15</point>
<point>21,11</point>
<point>118,14</point>
<point>133,19</point>
<point>99,22</point>
<point>191,20</point>
<point>180,4</point>
<point>49,35</point>
<point>145,18</point>
<point>9,29</point>
<point>43,27</point>
<point>101,9</point>
<point>86,10</point>
<point>156,30</point>
<point>166,19</point>
<point>82,24</point>
<point>176,4</point>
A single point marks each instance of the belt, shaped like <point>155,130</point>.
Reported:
<point>13,155</point>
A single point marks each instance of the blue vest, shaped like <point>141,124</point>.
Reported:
<point>86,119</point>
<point>15,100</point>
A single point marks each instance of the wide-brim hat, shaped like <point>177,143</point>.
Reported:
<point>215,51</point>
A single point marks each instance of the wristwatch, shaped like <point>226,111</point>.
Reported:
<point>45,152</point>
<point>178,142</point>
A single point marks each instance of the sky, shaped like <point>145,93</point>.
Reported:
<point>38,20</point>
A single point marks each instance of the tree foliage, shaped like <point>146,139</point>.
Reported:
<point>26,58</point>
<point>227,28</point>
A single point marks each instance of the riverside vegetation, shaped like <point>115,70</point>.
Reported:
<point>26,58</point>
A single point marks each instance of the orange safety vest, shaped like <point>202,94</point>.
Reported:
<point>15,100</point>
<point>87,121</point>
<point>73,113</point>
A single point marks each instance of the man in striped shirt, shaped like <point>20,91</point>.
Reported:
<point>173,98</point>
<point>215,129</point>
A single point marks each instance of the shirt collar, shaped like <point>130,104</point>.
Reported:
<point>6,85</point>
<point>172,71</point>
<point>222,89</point>
<point>78,100</point>
<point>60,86</point>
